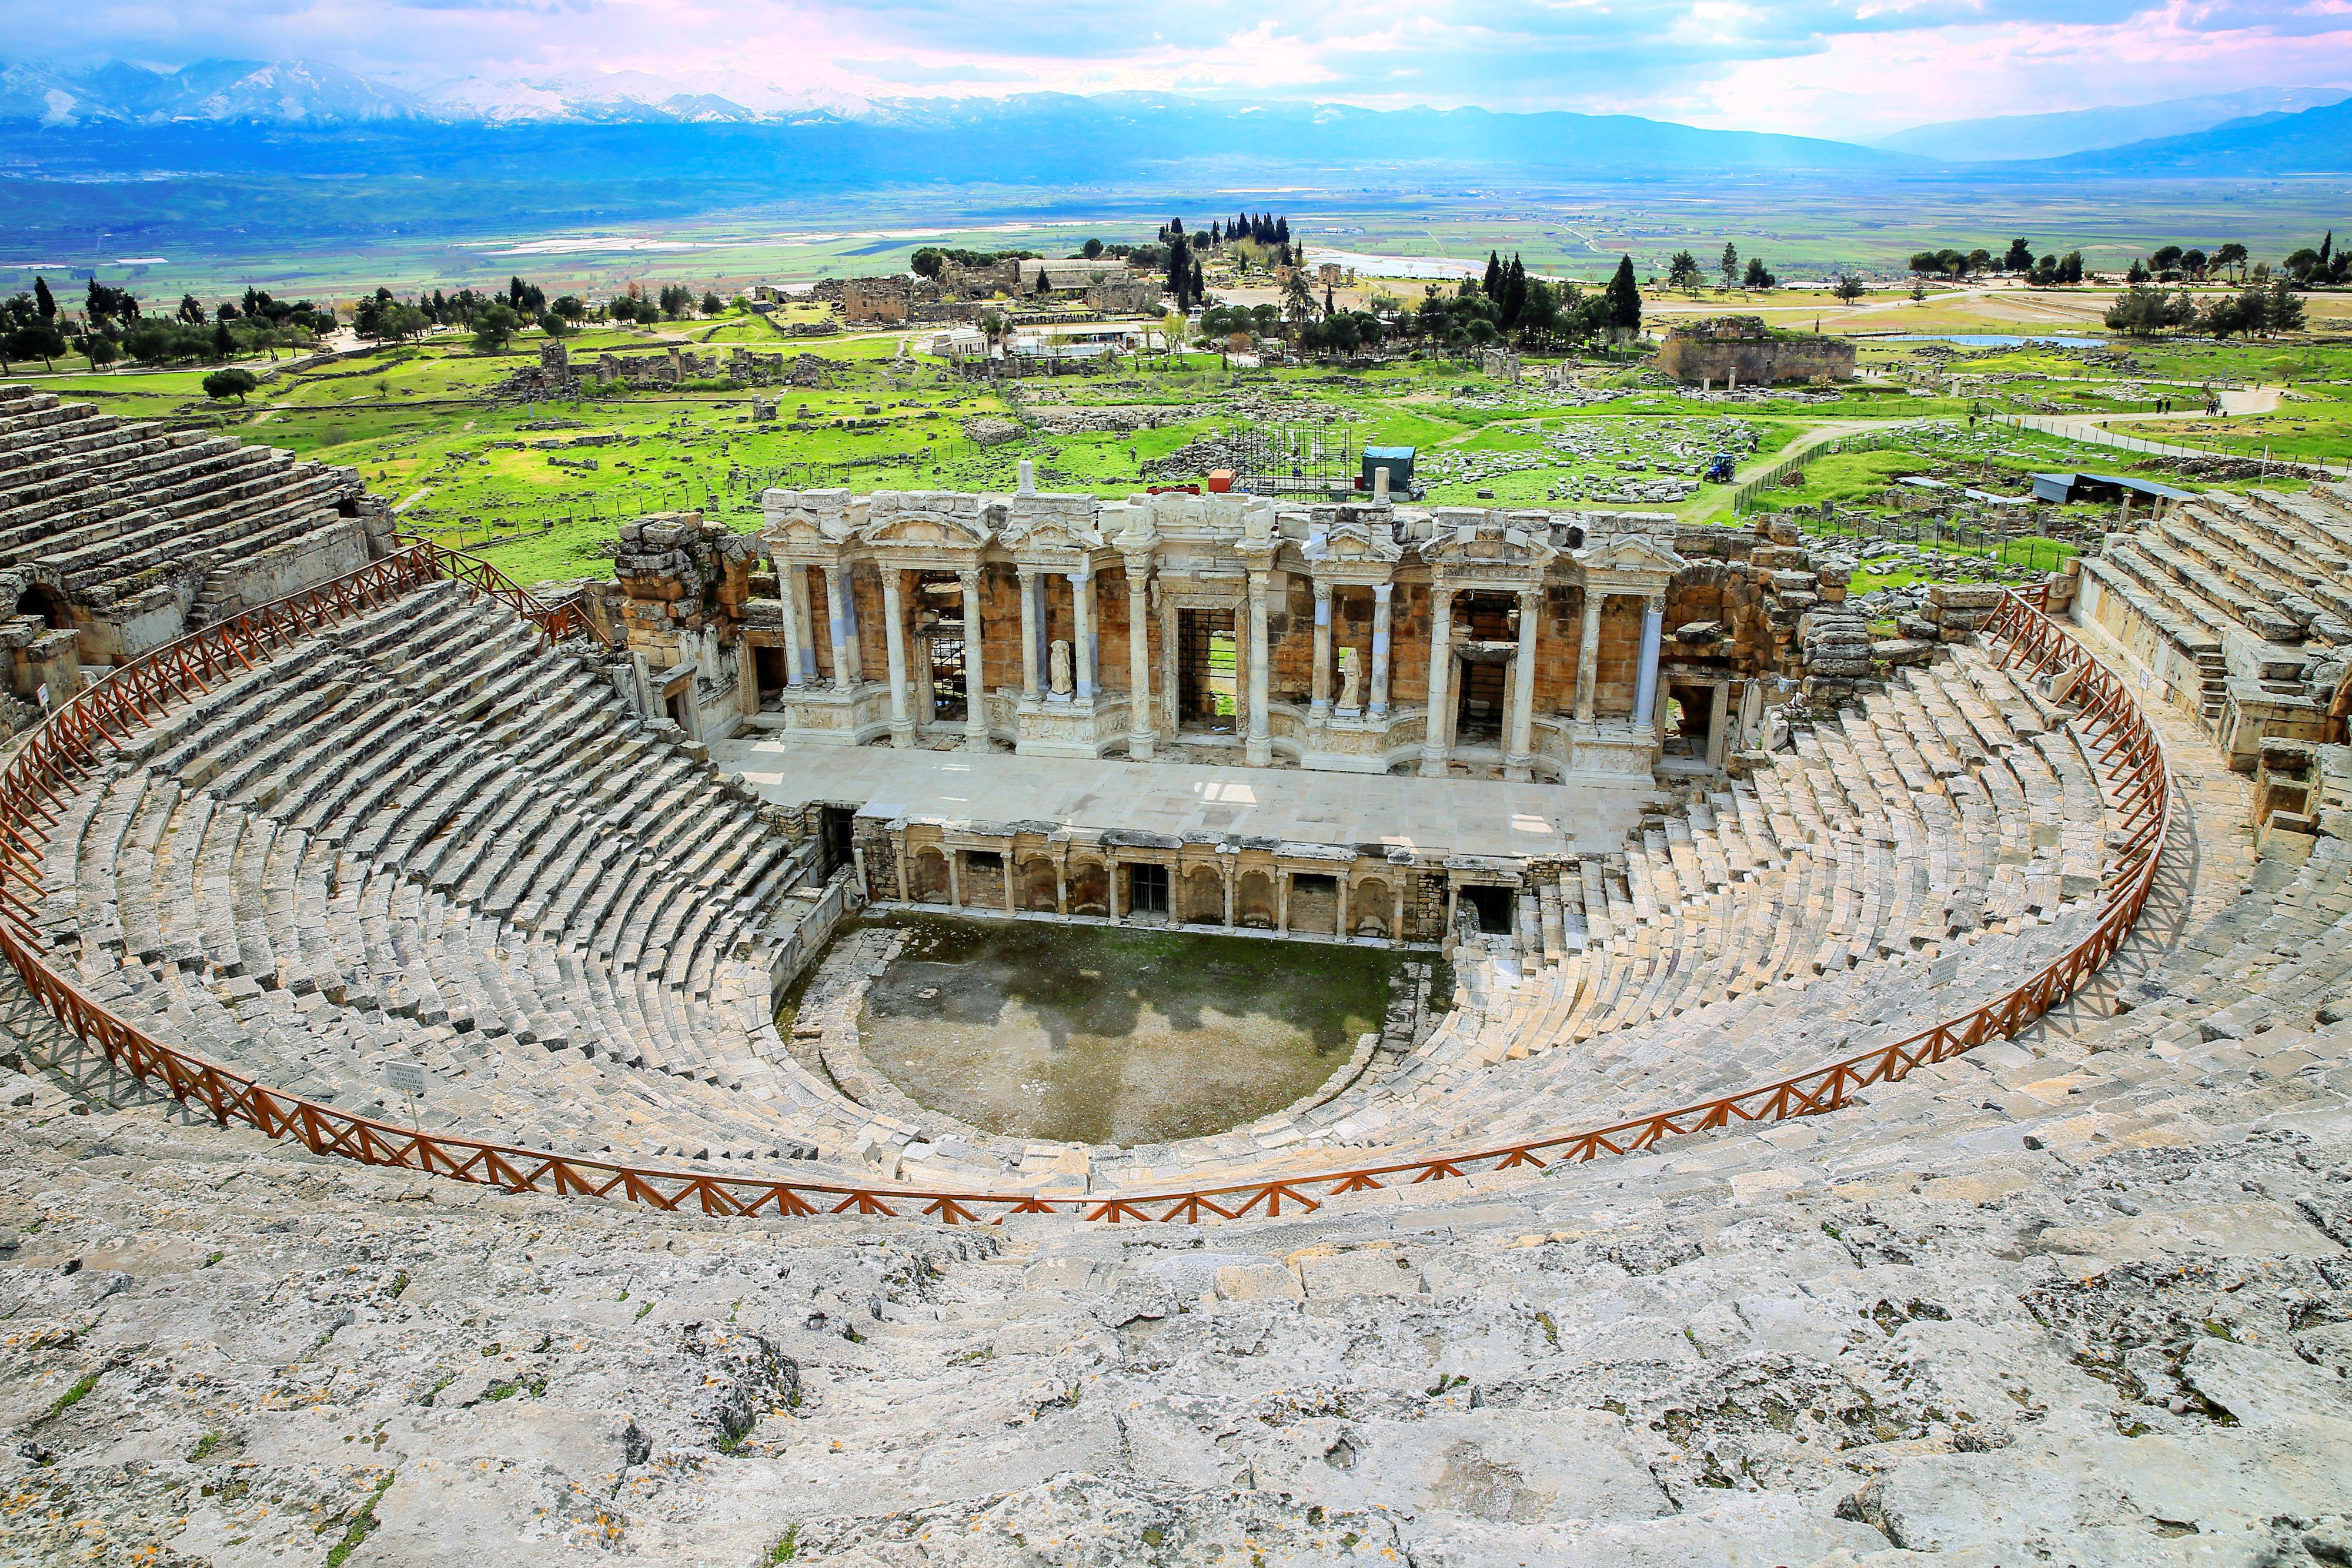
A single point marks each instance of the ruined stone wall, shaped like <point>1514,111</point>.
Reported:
<point>1560,622</point>
<point>875,300</point>
<point>680,576</point>
<point>1621,656</point>
<point>1408,644</point>
<point>1691,357</point>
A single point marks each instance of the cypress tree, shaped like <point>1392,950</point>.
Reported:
<point>44,301</point>
<point>1199,284</point>
<point>1493,282</point>
<point>1514,292</point>
<point>1624,297</point>
<point>1179,271</point>
<point>1282,230</point>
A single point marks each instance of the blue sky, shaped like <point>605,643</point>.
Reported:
<point>1838,68</point>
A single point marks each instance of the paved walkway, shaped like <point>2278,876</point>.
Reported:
<point>1431,816</point>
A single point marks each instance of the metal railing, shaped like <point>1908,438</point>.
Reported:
<point>73,744</point>
<point>1783,466</point>
<point>2078,428</point>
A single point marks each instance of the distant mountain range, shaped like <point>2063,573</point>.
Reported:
<point>202,110</point>
<point>2314,141</point>
<point>2008,138</point>
<point>215,113</point>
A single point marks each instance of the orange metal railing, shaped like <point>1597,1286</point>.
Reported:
<point>74,743</point>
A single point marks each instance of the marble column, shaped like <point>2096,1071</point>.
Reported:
<point>1028,632</point>
<point>1061,889</point>
<point>1438,733</point>
<point>1082,633</point>
<point>1319,707</point>
<point>1340,918</point>
<point>1139,723</point>
<point>1012,904</point>
<point>803,612</point>
<point>1518,762</point>
<point>1257,750</point>
<point>1380,593</point>
<point>792,591</point>
<point>1396,923</point>
<point>1588,654</point>
<point>905,895</point>
<point>975,674</point>
<point>955,884</point>
<point>836,606</point>
<point>1230,880</point>
<point>893,633</point>
<point>1281,901</point>
<point>1110,888</point>
<point>1645,687</point>
<point>1719,722</point>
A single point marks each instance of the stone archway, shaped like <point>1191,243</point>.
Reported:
<point>1254,905</point>
<point>1372,904</point>
<point>40,598</point>
<point>927,875</point>
<point>1201,898</point>
<point>1089,888</point>
<point>1037,887</point>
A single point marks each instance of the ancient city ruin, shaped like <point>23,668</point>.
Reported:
<point>1723,930</point>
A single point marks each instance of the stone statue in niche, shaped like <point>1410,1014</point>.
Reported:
<point>1060,667</point>
<point>1351,682</point>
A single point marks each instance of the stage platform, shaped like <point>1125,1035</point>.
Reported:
<point>1433,817</point>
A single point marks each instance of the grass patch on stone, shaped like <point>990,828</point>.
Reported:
<point>364,1524</point>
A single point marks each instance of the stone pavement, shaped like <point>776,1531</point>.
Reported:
<point>1431,816</point>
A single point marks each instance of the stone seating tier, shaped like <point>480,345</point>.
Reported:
<point>421,836</point>
<point>105,508</point>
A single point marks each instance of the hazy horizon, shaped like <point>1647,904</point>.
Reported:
<point>1844,69</point>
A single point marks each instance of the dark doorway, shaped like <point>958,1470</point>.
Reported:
<point>1147,890</point>
<point>773,667</point>
<point>835,827</point>
<point>949,703</point>
<point>1690,721</point>
<point>680,703</point>
<point>1495,907</point>
<point>1207,696</point>
<point>47,602</point>
<point>1478,712</point>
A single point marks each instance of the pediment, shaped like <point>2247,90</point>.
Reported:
<point>1489,543</point>
<point>920,530</point>
<point>1045,535</point>
<point>1632,553</point>
<point>802,530</point>
<point>1353,543</point>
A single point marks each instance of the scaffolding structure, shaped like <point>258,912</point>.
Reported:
<point>1293,460</point>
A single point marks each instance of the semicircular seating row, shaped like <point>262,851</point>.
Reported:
<point>103,502</point>
<point>422,837</point>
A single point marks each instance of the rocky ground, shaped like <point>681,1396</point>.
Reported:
<point>220,1351</point>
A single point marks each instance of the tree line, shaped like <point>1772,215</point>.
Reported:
<point>2257,310</point>
<point>1683,271</point>
<point>114,325</point>
<point>1504,305</point>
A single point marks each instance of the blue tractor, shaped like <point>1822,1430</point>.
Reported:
<point>1718,468</point>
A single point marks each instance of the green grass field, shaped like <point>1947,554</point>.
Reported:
<point>415,421</point>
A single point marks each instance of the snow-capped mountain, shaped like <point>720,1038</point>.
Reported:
<point>607,95</point>
<point>279,93</point>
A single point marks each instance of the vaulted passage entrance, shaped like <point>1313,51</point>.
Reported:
<point>1206,693</point>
